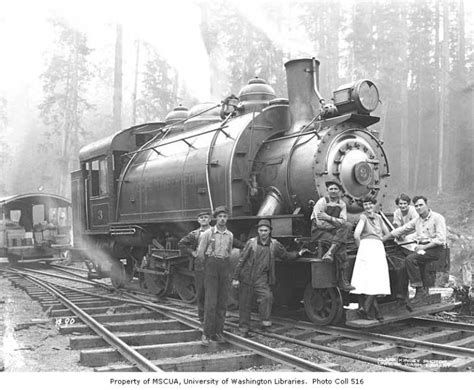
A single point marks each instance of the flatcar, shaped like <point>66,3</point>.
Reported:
<point>138,191</point>
<point>35,227</point>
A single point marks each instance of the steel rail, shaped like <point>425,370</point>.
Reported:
<point>401,341</point>
<point>142,363</point>
<point>323,348</point>
<point>445,324</point>
<point>69,268</point>
<point>263,350</point>
<point>79,279</point>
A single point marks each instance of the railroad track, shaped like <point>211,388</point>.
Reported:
<point>420,344</point>
<point>168,334</point>
<point>133,333</point>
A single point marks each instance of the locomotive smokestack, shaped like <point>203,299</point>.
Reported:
<point>302,75</point>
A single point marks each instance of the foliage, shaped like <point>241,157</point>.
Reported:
<point>247,51</point>
<point>64,104</point>
<point>159,91</point>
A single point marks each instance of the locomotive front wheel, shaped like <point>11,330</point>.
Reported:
<point>185,287</point>
<point>323,306</point>
<point>118,276</point>
<point>158,285</point>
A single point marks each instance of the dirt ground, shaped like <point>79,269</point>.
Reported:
<point>36,348</point>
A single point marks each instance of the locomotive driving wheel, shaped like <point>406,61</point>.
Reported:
<point>185,287</point>
<point>323,306</point>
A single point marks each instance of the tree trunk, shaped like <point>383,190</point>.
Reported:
<point>404,133</point>
<point>419,130</point>
<point>443,101</point>
<point>135,83</point>
<point>70,126</point>
<point>117,108</point>
<point>463,140</point>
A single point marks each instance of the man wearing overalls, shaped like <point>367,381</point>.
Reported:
<point>214,248</point>
<point>329,224</point>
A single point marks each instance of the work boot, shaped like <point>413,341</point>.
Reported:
<point>205,341</point>
<point>368,306</point>
<point>344,283</point>
<point>219,337</point>
<point>266,324</point>
<point>420,295</point>
<point>329,255</point>
<point>378,312</point>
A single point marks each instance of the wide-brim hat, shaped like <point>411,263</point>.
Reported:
<point>264,222</point>
<point>204,212</point>
<point>331,182</point>
<point>220,209</point>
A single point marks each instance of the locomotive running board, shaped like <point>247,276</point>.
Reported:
<point>394,313</point>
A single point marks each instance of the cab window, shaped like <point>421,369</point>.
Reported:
<point>98,176</point>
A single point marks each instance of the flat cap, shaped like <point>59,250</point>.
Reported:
<point>264,222</point>
<point>220,209</point>
<point>332,182</point>
<point>204,212</point>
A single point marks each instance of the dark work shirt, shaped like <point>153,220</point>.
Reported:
<point>262,257</point>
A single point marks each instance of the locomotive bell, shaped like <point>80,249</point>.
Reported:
<point>177,118</point>
<point>256,95</point>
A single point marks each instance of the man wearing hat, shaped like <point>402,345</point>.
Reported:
<point>329,223</point>
<point>188,245</point>
<point>215,246</point>
<point>255,273</point>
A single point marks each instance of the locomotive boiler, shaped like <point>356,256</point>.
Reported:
<point>139,190</point>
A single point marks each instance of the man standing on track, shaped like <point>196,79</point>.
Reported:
<point>255,273</point>
<point>188,245</point>
<point>215,246</point>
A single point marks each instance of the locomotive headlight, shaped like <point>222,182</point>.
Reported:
<point>362,96</point>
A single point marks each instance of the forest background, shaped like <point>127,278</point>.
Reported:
<point>92,81</point>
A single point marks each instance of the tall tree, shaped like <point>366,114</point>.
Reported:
<point>227,32</point>
<point>64,101</point>
<point>117,107</point>
<point>443,109</point>
<point>135,82</point>
<point>4,147</point>
<point>159,88</point>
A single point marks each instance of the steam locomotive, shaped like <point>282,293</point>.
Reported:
<point>138,191</point>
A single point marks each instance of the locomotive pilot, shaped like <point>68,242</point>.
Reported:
<point>430,236</point>
<point>188,245</point>
<point>255,273</point>
<point>215,246</point>
<point>329,224</point>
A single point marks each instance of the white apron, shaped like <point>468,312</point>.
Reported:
<point>370,274</point>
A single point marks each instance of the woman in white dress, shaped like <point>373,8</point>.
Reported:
<point>370,276</point>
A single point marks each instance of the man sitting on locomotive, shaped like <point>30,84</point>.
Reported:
<point>188,245</point>
<point>329,223</point>
<point>215,246</point>
<point>255,273</point>
<point>430,235</point>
